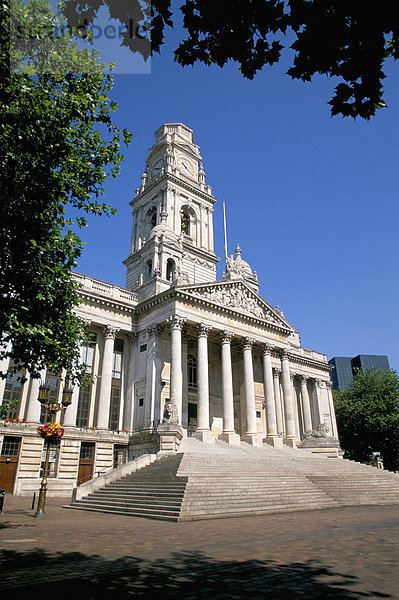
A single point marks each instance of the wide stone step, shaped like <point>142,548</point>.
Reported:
<point>160,516</point>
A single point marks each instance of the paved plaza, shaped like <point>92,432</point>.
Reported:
<point>347,553</point>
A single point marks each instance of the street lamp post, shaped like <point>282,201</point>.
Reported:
<point>53,408</point>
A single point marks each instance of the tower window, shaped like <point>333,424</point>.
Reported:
<point>170,269</point>
<point>192,371</point>
<point>148,270</point>
<point>185,223</point>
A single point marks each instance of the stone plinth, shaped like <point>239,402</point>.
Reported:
<point>205,435</point>
<point>170,437</point>
<point>274,441</point>
<point>290,442</point>
<point>254,439</point>
<point>231,438</point>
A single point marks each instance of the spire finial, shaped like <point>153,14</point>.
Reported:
<point>238,251</point>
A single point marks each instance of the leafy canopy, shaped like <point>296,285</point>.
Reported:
<point>58,144</point>
<point>368,416</point>
<point>347,39</point>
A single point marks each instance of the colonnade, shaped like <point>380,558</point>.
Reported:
<point>280,402</point>
<point>281,412</point>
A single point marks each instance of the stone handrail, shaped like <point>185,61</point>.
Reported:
<point>130,467</point>
<point>89,284</point>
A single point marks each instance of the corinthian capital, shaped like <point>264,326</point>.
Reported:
<point>153,330</point>
<point>248,343</point>
<point>176,322</point>
<point>226,337</point>
<point>267,348</point>
<point>203,330</point>
<point>284,354</point>
<point>110,332</point>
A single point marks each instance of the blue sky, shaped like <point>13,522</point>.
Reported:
<point>312,201</point>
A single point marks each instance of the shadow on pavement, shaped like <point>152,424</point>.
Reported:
<point>190,575</point>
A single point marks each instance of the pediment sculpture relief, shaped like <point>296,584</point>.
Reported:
<point>235,297</point>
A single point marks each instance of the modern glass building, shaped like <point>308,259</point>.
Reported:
<point>345,366</point>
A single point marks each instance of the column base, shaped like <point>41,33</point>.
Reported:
<point>231,438</point>
<point>274,440</point>
<point>291,442</point>
<point>205,435</point>
<point>254,439</point>
<point>170,436</point>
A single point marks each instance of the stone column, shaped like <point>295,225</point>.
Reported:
<point>4,363</point>
<point>176,376</point>
<point>228,435</point>
<point>72,410</point>
<point>277,399</point>
<point>271,420</point>
<point>128,408</point>
<point>251,436</point>
<point>153,383</point>
<point>34,406</point>
<point>318,410</point>
<point>104,399</point>
<point>307,415</point>
<point>290,435</point>
<point>334,432</point>
<point>203,432</point>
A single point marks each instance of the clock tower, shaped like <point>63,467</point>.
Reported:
<point>172,233</point>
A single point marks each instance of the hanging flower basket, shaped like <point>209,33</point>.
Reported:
<point>51,432</point>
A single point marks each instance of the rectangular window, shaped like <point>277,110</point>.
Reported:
<point>120,455</point>
<point>141,401</point>
<point>143,347</point>
<point>258,414</point>
<point>10,446</point>
<point>114,407</point>
<point>83,412</point>
<point>53,460</point>
<point>86,451</point>
<point>87,354</point>
<point>13,393</point>
<point>53,381</point>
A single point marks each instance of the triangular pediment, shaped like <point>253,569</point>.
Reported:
<point>237,296</point>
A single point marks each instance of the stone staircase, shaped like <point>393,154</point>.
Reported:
<point>206,481</point>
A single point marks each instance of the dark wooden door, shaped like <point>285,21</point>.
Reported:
<point>86,462</point>
<point>9,462</point>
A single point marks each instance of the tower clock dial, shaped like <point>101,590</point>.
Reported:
<point>186,167</point>
<point>156,169</point>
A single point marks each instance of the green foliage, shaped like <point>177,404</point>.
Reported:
<point>347,39</point>
<point>368,416</point>
<point>57,146</point>
<point>5,407</point>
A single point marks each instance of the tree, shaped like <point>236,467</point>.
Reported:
<point>347,39</point>
<point>57,146</point>
<point>368,416</point>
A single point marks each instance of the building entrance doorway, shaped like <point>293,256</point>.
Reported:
<point>191,418</point>
<point>86,462</point>
<point>9,462</point>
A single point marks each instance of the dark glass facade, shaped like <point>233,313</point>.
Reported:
<point>345,366</point>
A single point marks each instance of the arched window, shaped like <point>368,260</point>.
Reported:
<point>149,222</point>
<point>170,269</point>
<point>185,222</point>
<point>148,270</point>
<point>188,222</point>
<point>192,371</point>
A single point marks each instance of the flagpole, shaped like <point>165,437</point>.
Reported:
<point>225,231</point>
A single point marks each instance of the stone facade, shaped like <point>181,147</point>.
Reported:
<point>230,363</point>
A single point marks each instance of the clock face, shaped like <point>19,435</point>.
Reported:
<point>156,169</point>
<point>185,167</point>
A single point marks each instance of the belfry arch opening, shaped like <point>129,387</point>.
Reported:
<point>188,222</point>
<point>170,269</point>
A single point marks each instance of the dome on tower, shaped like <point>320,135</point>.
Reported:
<point>239,269</point>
